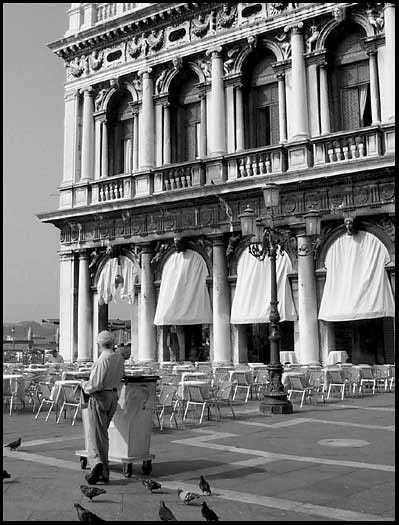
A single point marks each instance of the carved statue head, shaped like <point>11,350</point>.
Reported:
<point>178,242</point>
<point>349,225</point>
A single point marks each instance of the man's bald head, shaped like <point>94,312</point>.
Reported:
<point>105,339</point>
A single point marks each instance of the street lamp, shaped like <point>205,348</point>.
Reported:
<point>263,239</point>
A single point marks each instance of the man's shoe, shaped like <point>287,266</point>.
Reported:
<point>94,475</point>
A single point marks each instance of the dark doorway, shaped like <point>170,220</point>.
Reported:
<point>258,340</point>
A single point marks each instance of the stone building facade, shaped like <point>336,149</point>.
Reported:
<point>176,115</point>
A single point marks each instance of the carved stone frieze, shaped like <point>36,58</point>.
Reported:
<point>226,16</point>
<point>375,16</point>
<point>231,58</point>
<point>96,60</point>
<point>200,25</point>
<point>156,40</point>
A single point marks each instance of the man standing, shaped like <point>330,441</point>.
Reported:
<point>105,378</point>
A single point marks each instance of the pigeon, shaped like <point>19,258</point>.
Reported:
<point>13,445</point>
<point>6,475</point>
<point>151,484</point>
<point>204,486</point>
<point>86,515</point>
<point>186,496</point>
<point>91,492</point>
<point>165,514</point>
<point>208,513</point>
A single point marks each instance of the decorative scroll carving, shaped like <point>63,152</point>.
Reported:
<point>226,16</point>
<point>96,60</point>
<point>133,47</point>
<point>200,26</point>
<point>155,41</point>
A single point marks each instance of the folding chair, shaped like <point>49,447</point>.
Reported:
<point>48,397</point>
<point>297,387</point>
<point>222,397</point>
<point>241,382</point>
<point>71,394</point>
<point>335,380</point>
<point>366,378</point>
<point>195,398</point>
<point>315,380</point>
<point>167,400</point>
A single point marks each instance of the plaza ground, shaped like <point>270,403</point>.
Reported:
<point>261,468</point>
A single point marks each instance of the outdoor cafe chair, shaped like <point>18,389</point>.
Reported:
<point>195,399</point>
<point>47,396</point>
<point>222,397</point>
<point>366,378</point>
<point>166,401</point>
<point>296,386</point>
<point>335,380</point>
<point>261,380</point>
<point>71,395</point>
<point>241,382</point>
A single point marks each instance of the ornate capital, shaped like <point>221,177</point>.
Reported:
<point>87,91</point>
<point>145,73</point>
<point>295,28</point>
<point>215,52</point>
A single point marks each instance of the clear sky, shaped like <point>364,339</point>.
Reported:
<point>33,136</point>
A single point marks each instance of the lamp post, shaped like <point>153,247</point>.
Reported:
<point>269,241</point>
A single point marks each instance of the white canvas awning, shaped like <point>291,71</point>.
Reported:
<point>117,281</point>
<point>357,285</point>
<point>251,303</point>
<point>183,295</point>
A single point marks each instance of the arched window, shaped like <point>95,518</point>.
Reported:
<point>349,82</point>
<point>260,101</point>
<point>120,133</point>
<point>185,117</point>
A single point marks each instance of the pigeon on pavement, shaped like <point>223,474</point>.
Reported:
<point>91,492</point>
<point>186,496</point>
<point>13,445</point>
<point>166,514</point>
<point>204,486</point>
<point>151,484</point>
<point>6,475</point>
<point>86,515</point>
<point>208,513</point>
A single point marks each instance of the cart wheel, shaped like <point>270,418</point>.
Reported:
<point>83,462</point>
<point>127,470</point>
<point>147,467</point>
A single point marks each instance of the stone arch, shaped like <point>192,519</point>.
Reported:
<point>330,27</point>
<point>370,227</point>
<point>174,73</point>
<point>247,52</point>
<point>190,245</point>
<point>104,258</point>
<point>113,90</point>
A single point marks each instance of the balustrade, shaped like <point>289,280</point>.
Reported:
<point>110,10</point>
<point>108,191</point>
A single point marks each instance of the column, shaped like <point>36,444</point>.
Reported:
<point>68,319</point>
<point>166,134</point>
<point>135,140</point>
<point>300,105</point>
<point>97,148</point>
<point>327,340</point>
<point>70,136</point>
<point>216,128</point>
<point>147,132</point>
<point>85,310</point>
<point>95,326</point>
<point>104,149</point>
<point>282,111</point>
<point>147,343</point>
<point>240,344</point>
<point>87,135</point>
<point>374,91</point>
<point>325,124</point>
<point>202,145</point>
<point>389,59</point>
<point>102,317</point>
<point>307,303</point>
<point>134,325</point>
<point>221,304</point>
<point>240,142</point>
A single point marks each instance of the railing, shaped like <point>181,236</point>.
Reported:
<point>111,189</point>
<point>111,10</point>
<point>179,176</point>
<point>256,162</point>
<point>347,146</point>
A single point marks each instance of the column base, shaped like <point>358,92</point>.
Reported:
<point>275,404</point>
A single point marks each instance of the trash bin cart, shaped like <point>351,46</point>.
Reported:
<point>131,427</point>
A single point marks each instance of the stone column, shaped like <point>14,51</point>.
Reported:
<point>282,110</point>
<point>68,317</point>
<point>298,71</point>
<point>166,134</point>
<point>146,143</point>
<point>87,135</point>
<point>374,91</point>
<point>327,340</point>
<point>216,128</point>
<point>85,310</point>
<point>389,59</point>
<point>147,342</point>
<point>240,142</point>
<point>307,303</point>
<point>325,123</point>
<point>202,145</point>
<point>102,317</point>
<point>221,304</point>
<point>135,139</point>
<point>134,321</point>
<point>104,149</point>
<point>70,137</point>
